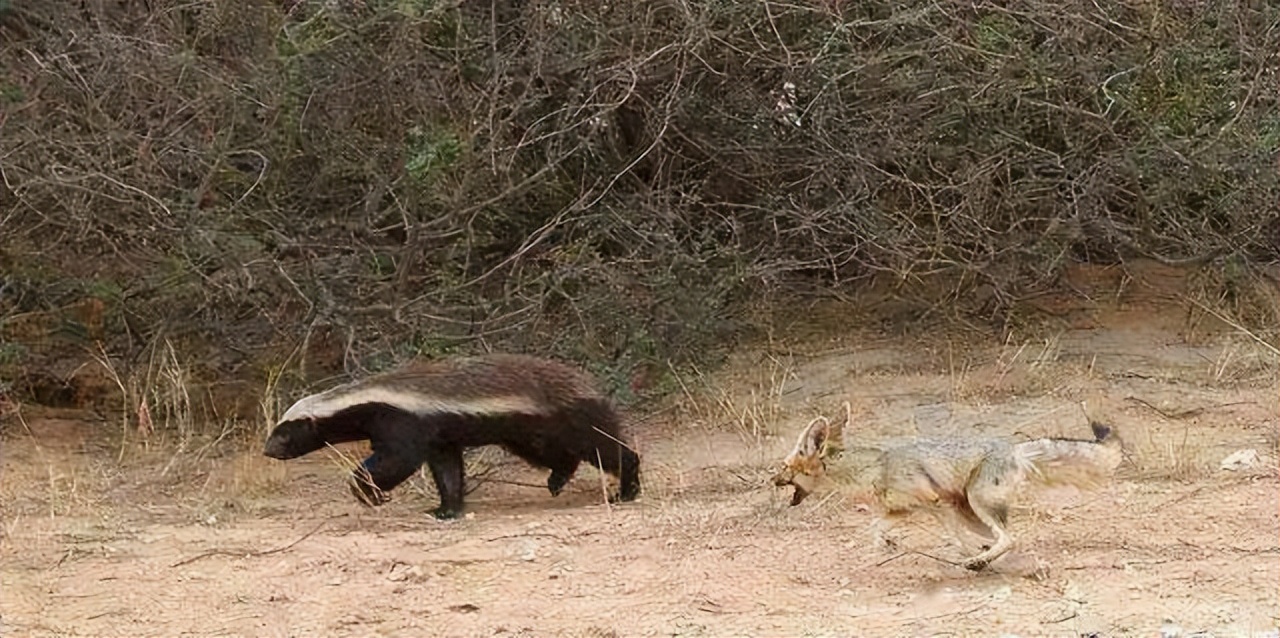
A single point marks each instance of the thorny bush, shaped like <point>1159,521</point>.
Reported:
<point>605,181</point>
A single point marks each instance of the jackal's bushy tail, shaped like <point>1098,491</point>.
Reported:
<point>1081,463</point>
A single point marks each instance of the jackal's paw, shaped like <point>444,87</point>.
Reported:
<point>882,537</point>
<point>976,564</point>
<point>886,543</point>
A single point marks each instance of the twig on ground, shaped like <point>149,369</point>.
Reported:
<point>1173,416</point>
<point>913,552</point>
<point>252,554</point>
<point>477,482</point>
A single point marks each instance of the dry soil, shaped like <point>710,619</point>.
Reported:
<point>214,539</point>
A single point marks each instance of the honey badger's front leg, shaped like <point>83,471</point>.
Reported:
<point>446,467</point>
<point>379,474</point>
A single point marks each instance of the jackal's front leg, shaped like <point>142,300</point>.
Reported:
<point>880,532</point>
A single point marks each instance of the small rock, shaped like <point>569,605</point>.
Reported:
<point>1240,460</point>
<point>401,572</point>
<point>530,551</point>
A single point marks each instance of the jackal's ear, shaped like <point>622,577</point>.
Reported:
<point>814,437</point>
<point>835,435</point>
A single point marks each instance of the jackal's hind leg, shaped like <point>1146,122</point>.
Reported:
<point>993,515</point>
<point>969,520</point>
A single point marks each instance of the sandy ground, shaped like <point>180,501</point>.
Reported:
<point>216,540</point>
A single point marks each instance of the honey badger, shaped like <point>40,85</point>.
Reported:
<point>546,412</point>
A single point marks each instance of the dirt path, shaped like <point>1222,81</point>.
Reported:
<point>238,545</point>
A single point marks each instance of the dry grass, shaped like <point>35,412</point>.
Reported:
<point>202,468</point>
<point>254,476</point>
<point>156,397</point>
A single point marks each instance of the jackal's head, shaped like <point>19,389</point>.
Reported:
<point>805,466</point>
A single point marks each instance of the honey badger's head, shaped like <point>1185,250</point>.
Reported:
<point>292,439</point>
<point>805,466</point>
<point>311,424</point>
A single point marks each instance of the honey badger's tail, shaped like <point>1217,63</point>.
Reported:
<point>1082,463</point>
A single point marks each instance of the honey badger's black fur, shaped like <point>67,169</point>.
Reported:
<point>545,412</point>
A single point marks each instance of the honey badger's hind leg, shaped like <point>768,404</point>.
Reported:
<point>597,423</point>
<point>563,466</point>
<point>553,455</point>
<point>629,475</point>
<point>560,475</point>
<point>621,461</point>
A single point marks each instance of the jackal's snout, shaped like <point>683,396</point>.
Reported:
<point>783,477</point>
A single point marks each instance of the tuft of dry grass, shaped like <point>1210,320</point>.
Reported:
<point>156,398</point>
<point>1178,457</point>
<point>1028,367</point>
<point>752,408</point>
<point>53,481</point>
<point>1244,359</point>
<point>254,476</point>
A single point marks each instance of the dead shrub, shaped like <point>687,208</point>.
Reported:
<point>605,181</point>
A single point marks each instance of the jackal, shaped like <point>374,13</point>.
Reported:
<point>972,479</point>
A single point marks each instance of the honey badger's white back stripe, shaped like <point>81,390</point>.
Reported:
<point>330,402</point>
